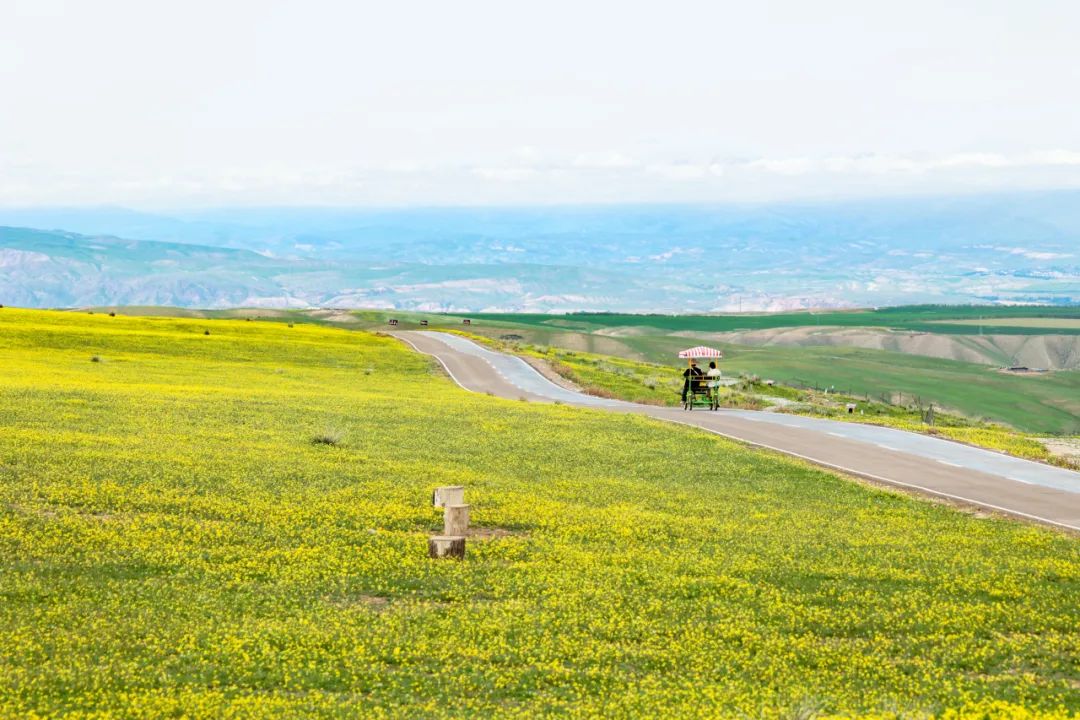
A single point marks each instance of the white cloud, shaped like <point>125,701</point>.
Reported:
<point>603,161</point>
<point>532,174</point>
<point>678,171</point>
<point>509,174</point>
<point>783,166</point>
<point>1055,157</point>
<point>527,154</point>
<point>875,164</point>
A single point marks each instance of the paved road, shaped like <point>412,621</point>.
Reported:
<point>938,467</point>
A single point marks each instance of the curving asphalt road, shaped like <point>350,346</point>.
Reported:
<point>960,473</point>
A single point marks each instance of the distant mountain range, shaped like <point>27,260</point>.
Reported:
<point>1022,248</point>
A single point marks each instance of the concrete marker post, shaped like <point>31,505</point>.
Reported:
<point>448,495</point>
<point>451,544</point>
<point>445,546</point>
<point>456,520</point>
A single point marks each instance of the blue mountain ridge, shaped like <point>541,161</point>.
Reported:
<point>998,249</point>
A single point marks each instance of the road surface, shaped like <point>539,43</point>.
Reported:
<point>959,473</point>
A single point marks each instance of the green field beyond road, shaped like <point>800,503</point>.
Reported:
<point>958,319</point>
<point>1045,402</point>
<point>173,543</point>
<point>1037,403</point>
<point>1046,324</point>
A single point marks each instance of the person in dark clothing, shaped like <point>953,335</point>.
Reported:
<point>692,378</point>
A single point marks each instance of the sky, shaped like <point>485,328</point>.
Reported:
<point>154,104</point>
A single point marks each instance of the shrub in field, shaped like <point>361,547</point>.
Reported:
<point>330,436</point>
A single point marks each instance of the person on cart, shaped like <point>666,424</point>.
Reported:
<point>692,379</point>
<point>713,373</point>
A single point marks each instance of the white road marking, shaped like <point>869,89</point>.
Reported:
<point>887,481</point>
<point>815,461</point>
<point>441,362</point>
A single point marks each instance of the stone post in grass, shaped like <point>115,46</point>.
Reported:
<point>451,544</point>
<point>441,546</point>
<point>449,495</point>
<point>455,520</point>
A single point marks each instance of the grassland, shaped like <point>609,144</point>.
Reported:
<point>1046,324</point>
<point>173,543</point>
<point>926,318</point>
<point>654,384</point>
<point>1047,403</point>
<point>1038,403</point>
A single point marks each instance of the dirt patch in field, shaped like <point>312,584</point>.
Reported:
<point>1066,448</point>
<point>374,602</point>
<point>1049,352</point>
<point>1047,323</point>
<point>631,331</point>
<point>258,313</point>
<point>595,343</point>
<point>33,511</point>
<point>337,316</point>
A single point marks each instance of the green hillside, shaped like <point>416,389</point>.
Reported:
<point>1045,403</point>
<point>174,544</point>
<point>958,319</point>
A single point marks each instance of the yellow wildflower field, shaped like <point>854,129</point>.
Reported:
<point>174,544</point>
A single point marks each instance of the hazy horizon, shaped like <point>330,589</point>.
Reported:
<point>1002,249</point>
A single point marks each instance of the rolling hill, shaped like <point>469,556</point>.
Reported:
<point>62,269</point>
<point>1001,249</point>
<point>173,542</point>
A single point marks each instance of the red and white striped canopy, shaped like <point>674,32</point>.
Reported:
<point>701,352</point>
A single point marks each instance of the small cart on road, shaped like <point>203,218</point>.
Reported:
<point>700,388</point>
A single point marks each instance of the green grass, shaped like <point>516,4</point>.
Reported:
<point>1040,403</point>
<point>609,376</point>
<point>616,377</point>
<point>172,543</point>
<point>1047,403</point>
<point>924,318</point>
<point>655,384</point>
